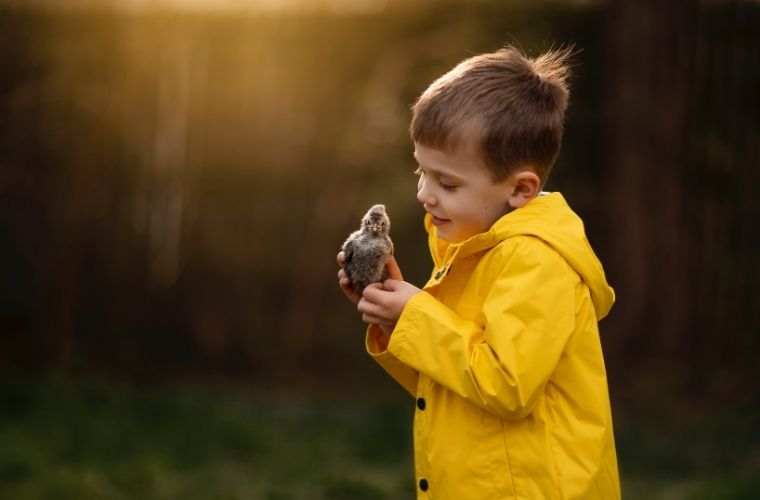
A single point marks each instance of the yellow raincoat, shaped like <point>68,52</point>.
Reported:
<point>502,352</point>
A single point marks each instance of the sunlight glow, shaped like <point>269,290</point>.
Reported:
<point>338,6</point>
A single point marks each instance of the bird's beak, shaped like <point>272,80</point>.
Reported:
<point>376,228</point>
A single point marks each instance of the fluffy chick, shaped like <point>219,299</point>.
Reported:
<point>367,249</point>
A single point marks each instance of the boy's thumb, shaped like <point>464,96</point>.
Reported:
<point>394,272</point>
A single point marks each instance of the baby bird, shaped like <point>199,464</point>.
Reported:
<point>367,249</point>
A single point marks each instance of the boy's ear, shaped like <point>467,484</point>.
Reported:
<point>525,186</point>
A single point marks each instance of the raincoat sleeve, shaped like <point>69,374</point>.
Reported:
<point>502,362</point>
<point>401,373</point>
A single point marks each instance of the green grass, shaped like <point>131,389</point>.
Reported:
<point>690,454</point>
<point>64,441</point>
<point>61,440</point>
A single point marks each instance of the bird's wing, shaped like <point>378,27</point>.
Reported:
<point>348,250</point>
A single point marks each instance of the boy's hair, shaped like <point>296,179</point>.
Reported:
<point>514,105</point>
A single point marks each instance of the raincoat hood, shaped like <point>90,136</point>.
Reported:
<point>549,218</point>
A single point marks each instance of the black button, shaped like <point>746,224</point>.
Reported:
<point>443,272</point>
<point>421,403</point>
<point>423,484</point>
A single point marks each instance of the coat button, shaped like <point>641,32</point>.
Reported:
<point>444,271</point>
<point>423,484</point>
<point>421,403</point>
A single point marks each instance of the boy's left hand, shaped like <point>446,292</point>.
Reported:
<point>381,303</point>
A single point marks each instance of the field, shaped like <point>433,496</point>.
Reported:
<point>66,439</point>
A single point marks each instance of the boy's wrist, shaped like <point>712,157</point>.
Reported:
<point>386,330</point>
<point>378,338</point>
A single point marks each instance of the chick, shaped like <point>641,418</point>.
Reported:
<point>367,249</point>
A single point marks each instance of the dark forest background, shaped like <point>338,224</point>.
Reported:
<point>174,186</point>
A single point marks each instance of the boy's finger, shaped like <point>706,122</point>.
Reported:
<point>373,293</point>
<point>364,306</point>
<point>394,272</point>
<point>348,290</point>
<point>369,308</point>
<point>391,285</point>
<point>341,258</point>
<point>373,320</point>
<point>352,295</point>
<point>377,320</point>
<point>372,317</point>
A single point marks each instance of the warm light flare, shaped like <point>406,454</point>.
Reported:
<point>208,5</point>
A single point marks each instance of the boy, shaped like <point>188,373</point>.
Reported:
<point>501,348</point>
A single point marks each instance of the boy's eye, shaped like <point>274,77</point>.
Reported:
<point>443,184</point>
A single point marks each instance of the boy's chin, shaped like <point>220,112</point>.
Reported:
<point>451,237</point>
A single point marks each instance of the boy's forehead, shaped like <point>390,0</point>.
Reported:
<point>466,139</point>
<point>434,151</point>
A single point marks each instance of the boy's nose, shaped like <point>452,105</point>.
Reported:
<point>424,196</point>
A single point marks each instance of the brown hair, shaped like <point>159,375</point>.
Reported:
<point>514,105</point>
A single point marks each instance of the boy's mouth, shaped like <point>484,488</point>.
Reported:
<point>437,221</point>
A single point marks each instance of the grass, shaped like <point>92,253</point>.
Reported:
<point>61,440</point>
<point>71,441</point>
<point>690,454</point>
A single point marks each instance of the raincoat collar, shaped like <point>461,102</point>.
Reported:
<point>547,217</point>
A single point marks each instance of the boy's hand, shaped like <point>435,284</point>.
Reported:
<point>345,284</point>
<point>381,303</point>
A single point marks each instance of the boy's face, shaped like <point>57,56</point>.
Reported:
<point>457,190</point>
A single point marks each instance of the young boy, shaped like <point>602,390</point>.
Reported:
<point>501,347</point>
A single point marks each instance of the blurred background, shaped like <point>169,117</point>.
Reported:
<point>176,178</point>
